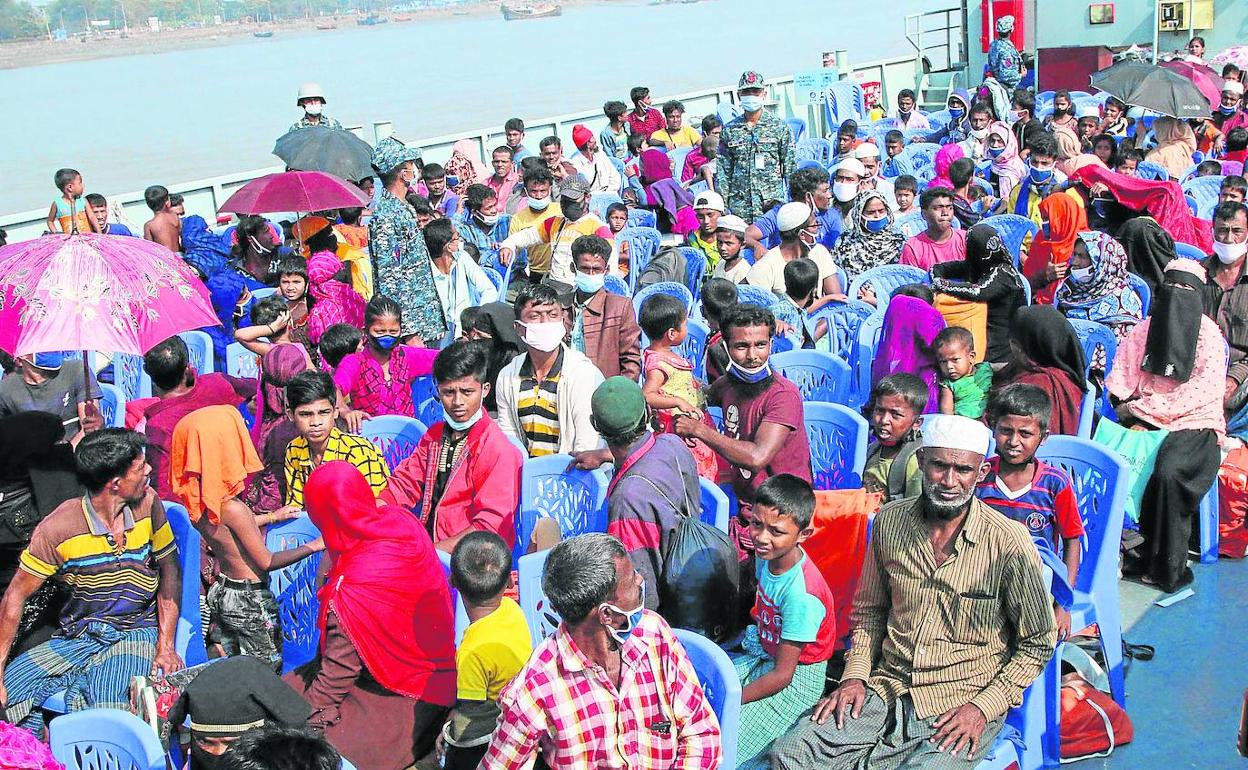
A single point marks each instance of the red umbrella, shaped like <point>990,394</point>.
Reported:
<point>294,191</point>
<point>1205,79</point>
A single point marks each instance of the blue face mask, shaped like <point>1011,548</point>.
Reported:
<point>750,376</point>
<point>1040,176</point>
<point>956,113</point>
<point>995,152</point>
<point>1227,110</point>
<point>466,424</point>
<point>621,635</point>
<point>590,284</point>
<point>876,225</point>
<point>384,341</point>
<point>751,103</point>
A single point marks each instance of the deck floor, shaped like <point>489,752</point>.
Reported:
<point>1185,703</point>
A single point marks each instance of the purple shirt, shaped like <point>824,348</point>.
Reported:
<point>781,403</point>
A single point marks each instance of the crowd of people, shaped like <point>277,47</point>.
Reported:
<point>489,295</point>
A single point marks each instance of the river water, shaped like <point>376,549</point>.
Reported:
<point>175,116</point>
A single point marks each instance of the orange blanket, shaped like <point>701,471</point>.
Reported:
<point>839,545</point>
<point>210,460</point>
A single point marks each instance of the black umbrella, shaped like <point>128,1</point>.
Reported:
<point>1153,88</point>
<point>332,150</point>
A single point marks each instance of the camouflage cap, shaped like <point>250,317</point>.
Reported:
<point>751,79</point>
<point>391,153</point>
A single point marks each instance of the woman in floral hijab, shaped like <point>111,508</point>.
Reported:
<point>872,241</point>
<point>1099,287</point>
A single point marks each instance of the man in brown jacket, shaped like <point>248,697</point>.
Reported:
<point>603,325</point>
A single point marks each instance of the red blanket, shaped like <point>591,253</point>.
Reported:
<point>1163,201</point>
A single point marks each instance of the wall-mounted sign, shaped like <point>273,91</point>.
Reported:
<point>1101,13</point>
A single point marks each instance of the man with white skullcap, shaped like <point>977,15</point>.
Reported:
<point>951,622</point>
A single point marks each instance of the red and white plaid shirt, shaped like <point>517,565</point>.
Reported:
<point>566,708</point>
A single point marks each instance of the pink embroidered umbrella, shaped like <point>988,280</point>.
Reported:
<point>84,292</point>
<point>1205,79</point>
<point>294,191</point>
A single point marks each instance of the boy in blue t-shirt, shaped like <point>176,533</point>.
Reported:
<point>1037,495</point>
<point>784,657</point>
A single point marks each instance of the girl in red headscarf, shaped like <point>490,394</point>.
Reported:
<point>385,676</point>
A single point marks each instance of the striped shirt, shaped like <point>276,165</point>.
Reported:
<point>107,584</point>
<point>360,452</point>
<point>977,629</point>
<point>538,408</point>
<point>565,707</point>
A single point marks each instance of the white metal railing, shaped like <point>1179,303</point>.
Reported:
<point>937,37</point>
<point>205,196</point>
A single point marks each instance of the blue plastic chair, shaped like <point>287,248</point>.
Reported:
<point>643,245</point>
<point>670,288</point>
<point>105,739</point>
<point>1192,206</point>
<point>910,224</point>
<point>642,218</point>
<point>199,346</point>
<point>495,277</point>
<point>812,149</point>
<point>1100,480</point>
<point>424,387</point>
<point>714,505</point>
<point>1149,170</point>
<point>939,119</point>
<point>294,588</point>
<point>727,112</point>
<point>1141,288</point>
<point>869,333</point>
<point>112,405</point>
<point>1013,229</point>
<point>844,319</point>
<point>241,362</point>
<point>599,202</point>
<point>676,157</point>
<point>619,167</point>
<point>1087,410</point>
<point>430,412</point>
<point>128,375</point>
<point>838,445</point>
<point>1188,250</point>
<point>538,613</point>
<point>574,498</point>
<point>1208,521</point>
<point>797,127</point>
<point>1204,190</point>
<point>1092,334</point>
<point>693,349</point>
<point>461,613</point>
<point>720,684</point>
<point>695,269</point>
<point>748,294</point>
<point>395,436</point>
<point>818,376</point>
<point>885,280</point>
<point>616,285</point>
<point>189,640</point>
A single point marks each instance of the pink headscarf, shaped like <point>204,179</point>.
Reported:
<point>463,164</point>
<point>334,302</point>
<point>1008,167</point>
<point>277,368</point>
<point>944,159</point>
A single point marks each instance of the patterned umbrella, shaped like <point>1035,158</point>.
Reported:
<point>294,191</point>
<point>108,293</point>
<point>1208,81</point>
<point>1236,54</point>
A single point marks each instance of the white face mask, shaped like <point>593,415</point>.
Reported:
<point>544,336</point>
<point>539,204</point>
<point>1230,253</point>
<point>845,191</point>
<point>1081,275</point>
<point>979,133</point>
<point>312,109</point>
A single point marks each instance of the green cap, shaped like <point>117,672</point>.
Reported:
<point>618,406</point>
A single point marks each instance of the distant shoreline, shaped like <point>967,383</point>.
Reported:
<point>19,54</point>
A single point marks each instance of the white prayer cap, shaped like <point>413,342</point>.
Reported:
<point>852,165</point>
<point>792,216</point>
<point>866,150</point>
<point>733,224</point>
<point>952,431</point>
<point>1233,86</point>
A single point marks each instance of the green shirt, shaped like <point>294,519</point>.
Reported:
<point>970,393</point>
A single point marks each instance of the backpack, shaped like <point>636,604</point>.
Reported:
<point>897,471</point>
<point>667,265</point>
<point>701,578</point>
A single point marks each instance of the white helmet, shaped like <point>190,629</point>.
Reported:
<point>309,91</point>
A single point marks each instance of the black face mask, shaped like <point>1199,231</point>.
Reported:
<point>202,760</point>
<point>572,210</point>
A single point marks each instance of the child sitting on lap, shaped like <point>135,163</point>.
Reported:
<point>964,384</point>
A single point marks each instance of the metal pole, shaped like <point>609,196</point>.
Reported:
<point>1156,28</point>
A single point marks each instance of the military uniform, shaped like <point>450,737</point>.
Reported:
<point>755,162</point>
<point>306,122</point>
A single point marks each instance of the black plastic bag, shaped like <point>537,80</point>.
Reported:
<point>700,584</point>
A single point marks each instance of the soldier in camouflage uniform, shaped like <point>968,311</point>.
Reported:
<point>755,154</point>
